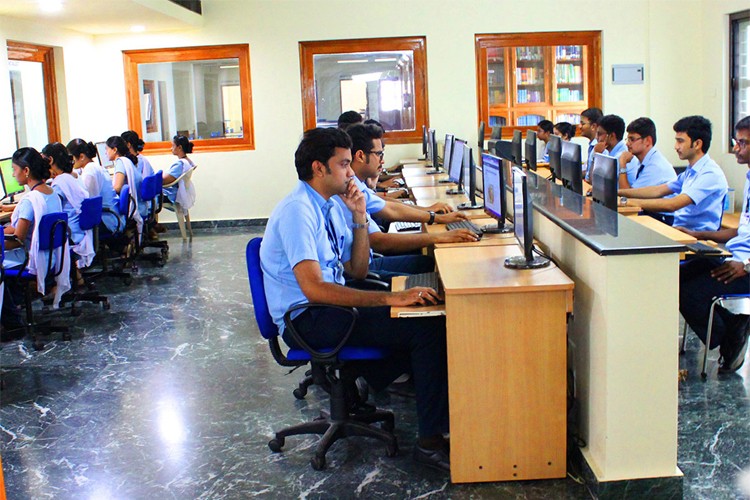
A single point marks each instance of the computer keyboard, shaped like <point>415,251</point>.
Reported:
<point>703,249</point>
<point>429,280</point>
<point>408,226</point>
<point>464,224</point>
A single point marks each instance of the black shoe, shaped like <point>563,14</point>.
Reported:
<point>437,459</point>
<point>733,356</point>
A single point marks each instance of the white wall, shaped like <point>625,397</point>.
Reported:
<point>666,35</point>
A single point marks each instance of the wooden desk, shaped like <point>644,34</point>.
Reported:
<point>486,241</point>
<point>731,220</point>
<point>5,217</point>
<point>398,283</point>
<point>436,194</point>
<point>661,228</point>
<point>422,180</point>
<point>510,425</point>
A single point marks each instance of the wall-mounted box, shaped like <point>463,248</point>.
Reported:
<point>627,74</point>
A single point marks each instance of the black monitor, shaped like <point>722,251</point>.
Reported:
<point>433,152</point>
<point>493,187</point>
<point>504,149</point>
<point>470,180</point>
<point>424,141</point>
<point>481,136</point>
<point>516,148</point>
<point>10,184</point>
<point>554,149</point>
<point>604,180</point>
<point>455,172</point>
<point>497,132</point>
<point>530,149</point>
<point>570,163</point>
<point>447,150</point>
<point>524,225</point>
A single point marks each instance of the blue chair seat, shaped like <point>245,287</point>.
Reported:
<point>345,354</point>
<point>19,273</point>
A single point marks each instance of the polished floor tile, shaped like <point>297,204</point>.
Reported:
<point>173,394</point>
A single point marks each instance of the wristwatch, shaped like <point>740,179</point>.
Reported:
<point>432,218</point>
<point>361,226</point>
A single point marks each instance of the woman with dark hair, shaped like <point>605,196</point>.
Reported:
<point>31,170</point>
<point>135,145</point>
<point>97,182</point>
<point>181,147</point>
<point>72,194</point>
<point>127,173</point>
<point>565,130</point>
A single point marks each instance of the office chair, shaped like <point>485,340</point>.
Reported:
<point>735,304</point>
<point>109,248</point>
<point>53,234</point>
<point>181,212</point>
<point>151,194</point>
<point>329,367</point>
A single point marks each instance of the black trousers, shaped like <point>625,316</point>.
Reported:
<point>417,346</point>
<point>697,291</point>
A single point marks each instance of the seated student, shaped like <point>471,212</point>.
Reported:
<point>367,157</point>
<point>565,130</point>
<point>348,118</point>
<point>544,129</point>
<point>306,248</point>
<point>609,136</point>
<point>97,182</point>
<point>30,169</point>
<point>126,173</point>
<point>700,189</point>
<point>642,164</point>
<point>135,146</point>
<point>181,147</point>
<point>702,279</point>
<point>72,194</point>
<point>589,119</point>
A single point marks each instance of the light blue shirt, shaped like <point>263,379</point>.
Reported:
<point>175,171</point>
<point>76,233</point>
<point>655,170</point>
<point>144,166</point>
<point>296,231</point>
<point>545,155</point>
<point>138,178</point>
<point>590,159</point>
<point>374,204</point>
<point>15,256</point>
<point>706,185</point>
<point>740,244</point>
<point>619,149</point>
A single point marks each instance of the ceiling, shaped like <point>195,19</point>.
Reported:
<point>105,17</point>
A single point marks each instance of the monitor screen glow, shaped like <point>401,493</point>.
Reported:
<point>101,152</point>
<point>492,186</point>
<point>10,184</point>
<point>457,157</point>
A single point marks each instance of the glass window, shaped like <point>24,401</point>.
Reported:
<point>381,79</point>
<point>200,92</point>
<point>739,101</point>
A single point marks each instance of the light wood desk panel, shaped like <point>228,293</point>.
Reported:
<point>436,193</point>
<point>421,180</point>
<point>664,229</point>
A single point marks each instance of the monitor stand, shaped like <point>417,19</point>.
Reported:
<point>454,191</point>
<point>469,206</point>
<point>521,262</point>
<point>445,181</point>
<point>435,172</point>
<point>506,227</point>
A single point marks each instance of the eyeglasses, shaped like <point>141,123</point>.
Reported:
<point>380,154</point>
<point>632,139</point>
<point>742,143</point>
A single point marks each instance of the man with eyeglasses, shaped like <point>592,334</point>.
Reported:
<point>650,167</point>
<point>700,189</point>
<point>367,157</point>
<point>589,119</point>
<point>703,279</point>
<point>609,136</point>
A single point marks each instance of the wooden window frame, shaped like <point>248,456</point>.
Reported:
<point>417,44</point>
<point>734,20</point>
<point>20,51</point>
<point>591,39</point>
<point>132,58</point>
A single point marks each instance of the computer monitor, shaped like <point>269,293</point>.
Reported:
<point>447,151</point>
<point>524,225</point>
<point>493,187</point>
<point>504,149</point>
<point>433,153</point>
<point>470,175</point>
<point>530,149</point>
<point>516,148</point>
<point>554,149</point>
<point>424,141</point>
<point>101,152</point>
<point>497,132</point>
<point>604,180</point>
<point>481,136</point>
<point>10,184</point>
<point>455,172</point>
<point>570,165</point>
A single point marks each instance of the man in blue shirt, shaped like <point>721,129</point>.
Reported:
<point>700,190</point>
<point>307,246</point>
<point>703,279</point>
<point>609,133</point>
<point>589,120</point>
<point>642,164</point>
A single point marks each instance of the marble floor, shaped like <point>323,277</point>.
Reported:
<point>173,394</point>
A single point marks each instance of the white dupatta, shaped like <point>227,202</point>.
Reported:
<point>75,194</point>
<point>37,258</point>
<point>130,175</point>
<point>185,189</point>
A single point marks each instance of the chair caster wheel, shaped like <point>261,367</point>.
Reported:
<point>318,462</point>
<point>391,450</point>
<point>276,444</point>
<point>38,346</point>
<point>299,393</point>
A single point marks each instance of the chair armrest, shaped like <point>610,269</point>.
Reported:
<point>108,210</point>
<point>316,355</point>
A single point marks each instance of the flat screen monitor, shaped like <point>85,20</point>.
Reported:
<point>504,149</point>
<point>524,225</point>
<point>530,145</point>
<point>604,180</point>
<point>470,180</point>
<point>497,132</point>
<point>447,151</point>
<point>101,152</point>
<point>493,187</point>
<point>516,148</point>
<point>10,184</point>
<point>424,141</point>
<point>570,165</point>
<point>433,154</point>
<point>481,136</point>
<point>554,149</point>
<point>455,164</point>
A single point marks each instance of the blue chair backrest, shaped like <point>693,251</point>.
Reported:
<point>124,203</point>
<point>53,230</point>
<point>91,213</point>
<point>151,186</point>
<point>255,274</point>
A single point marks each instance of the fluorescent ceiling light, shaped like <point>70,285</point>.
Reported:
<point>229,67</point>
<point>386,59</point>
<point>138,28</point>
<point>352,61</point>
<point>50,5</point>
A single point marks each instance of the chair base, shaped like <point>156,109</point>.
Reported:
<point>332,430</point>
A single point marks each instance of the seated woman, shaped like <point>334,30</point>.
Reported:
<point>135,145</point>
<point>181,147</point>
<point>565,130</point>
<point>97,182</point>
<point>127,173</point>
<point>72,194</point>
<point>31,170</point>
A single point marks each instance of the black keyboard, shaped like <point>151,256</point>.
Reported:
<point>703,249</point>
<point>464,224</point>
<point>407,226</point>
<point>429,280</point>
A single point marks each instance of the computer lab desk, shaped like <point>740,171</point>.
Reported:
<point>487,240</point>
<point>420,179</point>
